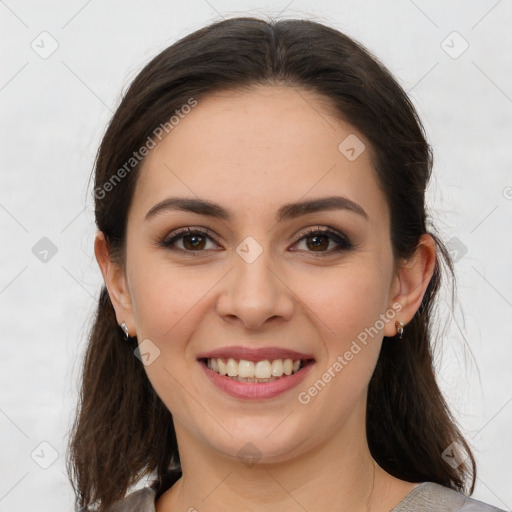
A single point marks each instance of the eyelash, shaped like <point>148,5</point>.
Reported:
<point>343,242</point>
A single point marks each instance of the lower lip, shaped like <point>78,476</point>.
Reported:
<point>255,390</point>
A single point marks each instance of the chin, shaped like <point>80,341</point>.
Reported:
<point>266,444</point>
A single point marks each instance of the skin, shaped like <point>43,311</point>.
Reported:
<point>251,152</point>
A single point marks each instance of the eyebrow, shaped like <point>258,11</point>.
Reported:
<point>286,212</point>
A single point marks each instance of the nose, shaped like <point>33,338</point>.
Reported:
<point>255,293</point>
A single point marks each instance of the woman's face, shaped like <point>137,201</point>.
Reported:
<point>256,279</point>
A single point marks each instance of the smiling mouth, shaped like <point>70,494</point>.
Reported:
<point>262,371</point>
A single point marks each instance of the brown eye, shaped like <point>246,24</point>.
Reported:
<point>318,240</point>
<point>191,240</point>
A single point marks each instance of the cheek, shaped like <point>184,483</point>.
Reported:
<point>164,302</point>
<point>349,311</point>
<point>167,305</point>
<point>345,300</point>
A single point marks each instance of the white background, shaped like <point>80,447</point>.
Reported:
<point>55,110</point>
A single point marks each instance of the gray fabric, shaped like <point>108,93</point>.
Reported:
<point>426,497</point>
<point>431,497</point>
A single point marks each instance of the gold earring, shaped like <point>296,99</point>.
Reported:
<point>399,329</point>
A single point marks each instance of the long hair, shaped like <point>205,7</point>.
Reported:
<point>122,429</point>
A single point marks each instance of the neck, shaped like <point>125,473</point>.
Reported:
<point>341,471</point>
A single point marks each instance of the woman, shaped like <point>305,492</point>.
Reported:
<point>262,339</point>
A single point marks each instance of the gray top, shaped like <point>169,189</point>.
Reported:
<point>426,497</point>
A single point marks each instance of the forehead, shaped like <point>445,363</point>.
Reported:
<point>258,149</point>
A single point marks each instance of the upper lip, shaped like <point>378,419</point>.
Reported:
<point>254,354</point>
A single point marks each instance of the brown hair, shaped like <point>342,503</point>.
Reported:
<point>122,429</point>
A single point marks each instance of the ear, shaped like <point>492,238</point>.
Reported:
<point>411,281</point>
<point>116,283</point>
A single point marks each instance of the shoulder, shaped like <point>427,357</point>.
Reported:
<point>432,497</point>
<point>426,497</point>
<point>142,500</point>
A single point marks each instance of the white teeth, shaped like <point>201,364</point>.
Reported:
<point>277,367</point>
<point>222,366</point>
<point>262,370</point>
<point>245,368</point>
<point>232,368</point>
<point>250,371</point>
